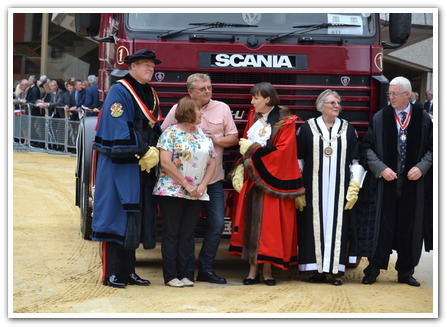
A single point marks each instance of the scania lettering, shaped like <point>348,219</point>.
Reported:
<point>301,54</point>
<point>255,61</point>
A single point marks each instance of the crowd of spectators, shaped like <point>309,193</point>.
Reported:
<point>76,96</point>
<point>43,96</point>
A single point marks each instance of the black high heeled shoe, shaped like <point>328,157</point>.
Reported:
<point>251,281</point>
<point>270,282</point>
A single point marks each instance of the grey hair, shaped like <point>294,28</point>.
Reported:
<point>403,82</point>
<point>192,79</point>
<point>322,98</point>
<point>91,79</point>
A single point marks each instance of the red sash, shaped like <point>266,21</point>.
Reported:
<point>148,113</point>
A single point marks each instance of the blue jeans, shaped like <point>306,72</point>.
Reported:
<point>215,224</point>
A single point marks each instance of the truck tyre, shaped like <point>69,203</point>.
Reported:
<point>84,198</point>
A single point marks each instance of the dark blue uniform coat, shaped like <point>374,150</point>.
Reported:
<point>123,208</point>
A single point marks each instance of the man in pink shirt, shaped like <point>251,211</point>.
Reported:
<point>218,124</point>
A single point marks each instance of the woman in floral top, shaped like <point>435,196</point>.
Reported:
<point>188,162</point>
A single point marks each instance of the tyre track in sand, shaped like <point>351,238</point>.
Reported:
<point>56,271</point>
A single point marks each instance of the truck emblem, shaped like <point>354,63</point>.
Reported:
<point>159,76</point>
<point>345,80</point>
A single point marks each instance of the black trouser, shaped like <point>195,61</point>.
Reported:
<point>117,260</point>
<point>395,231</point>
<point>179,222</point>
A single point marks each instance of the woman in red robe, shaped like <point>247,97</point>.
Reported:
<point>264,226</point>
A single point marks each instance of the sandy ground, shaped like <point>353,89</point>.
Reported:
<point>54,271</point>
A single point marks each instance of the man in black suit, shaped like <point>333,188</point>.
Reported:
<point>414,100</point>
<point>33,90</point>
<point>69,99</point>
<point>428,105</point>
<point>79,93</point>
<point>399,152</point>
<point>79,96</point>
<point>55,110</point>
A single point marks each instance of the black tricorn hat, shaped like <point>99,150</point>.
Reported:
<point>142,54</point>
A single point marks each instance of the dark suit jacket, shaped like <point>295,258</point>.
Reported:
<point>69,99</point>
<point>33,94</point>
<point>92,96</point>
<point>81,98</point>
<point>418,104</point>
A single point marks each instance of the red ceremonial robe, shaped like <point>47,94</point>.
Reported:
<point>264,226</point>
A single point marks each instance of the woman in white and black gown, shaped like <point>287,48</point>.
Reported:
<point>328,153</point>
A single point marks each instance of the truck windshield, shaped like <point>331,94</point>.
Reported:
<point>292,25</point>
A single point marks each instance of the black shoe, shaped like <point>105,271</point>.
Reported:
<point>335,282</point>
<point>270,282</point>
<point>369,279</point>
<point>251,281</point>
<point>113,281</point>
<point>134,279</point>
<point>409,281</point>
<point>210,277</point>
<point>317,278</point>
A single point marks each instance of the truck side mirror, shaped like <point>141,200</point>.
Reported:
<point>400,27</point>
<point>87,24</point>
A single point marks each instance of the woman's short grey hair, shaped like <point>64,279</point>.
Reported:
<point>322,98</point>
<point>404,83</point>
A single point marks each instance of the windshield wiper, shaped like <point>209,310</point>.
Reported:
<point>206,25</point>
<point>310,28</point>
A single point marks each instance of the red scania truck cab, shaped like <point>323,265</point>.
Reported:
<point>301,54</point>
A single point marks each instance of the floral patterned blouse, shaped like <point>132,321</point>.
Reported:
<point>190,153</point>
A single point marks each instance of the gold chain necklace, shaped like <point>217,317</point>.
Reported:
<point>328,149</point>
<point>263,130</point>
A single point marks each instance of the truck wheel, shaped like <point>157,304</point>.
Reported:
<point>86,211</point>
<point>84,147</point>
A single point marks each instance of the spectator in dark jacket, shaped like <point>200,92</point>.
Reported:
<point>33,90</point>
<point>92,96</point>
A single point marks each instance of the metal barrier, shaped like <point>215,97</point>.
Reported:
<point>44,131</point>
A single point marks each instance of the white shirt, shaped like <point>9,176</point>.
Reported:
<point>260,131</point>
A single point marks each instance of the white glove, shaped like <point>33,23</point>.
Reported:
<point>150,159</point>
<point>238,178</point>
<point>244,145</point>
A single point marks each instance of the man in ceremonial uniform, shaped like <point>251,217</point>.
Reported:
<point>398,149</point>
<point>124,209</point>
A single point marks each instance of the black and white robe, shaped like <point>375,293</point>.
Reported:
<point>323,225</point>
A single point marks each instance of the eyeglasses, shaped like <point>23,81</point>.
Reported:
<point>333,103</point>
<point>394,94</point>
<point>203,89</point>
